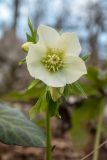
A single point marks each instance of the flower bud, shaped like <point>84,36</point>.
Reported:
<point>26,45</point>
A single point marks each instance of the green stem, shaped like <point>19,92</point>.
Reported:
<point>48,136</point>
<point>98,136</point>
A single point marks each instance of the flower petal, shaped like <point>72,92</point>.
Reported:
<point>36,51</point>
<point>69,42</point>
<point>74,68</point>
<point>48,36</point>
<point>51,79</point>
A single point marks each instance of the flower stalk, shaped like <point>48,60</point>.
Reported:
<point>98,133</point>
<point>48,136</point>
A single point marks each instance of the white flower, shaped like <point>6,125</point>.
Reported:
<point>54,59</point>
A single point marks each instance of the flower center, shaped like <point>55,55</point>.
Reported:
<point>53,60</point>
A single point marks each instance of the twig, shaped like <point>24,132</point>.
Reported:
<point>88,155</point>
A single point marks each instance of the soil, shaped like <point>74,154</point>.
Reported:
<point>62,151</point>
<point>62,146</point>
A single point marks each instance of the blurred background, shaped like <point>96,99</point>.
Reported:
<point>88,18</point>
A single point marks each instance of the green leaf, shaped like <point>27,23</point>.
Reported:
<point>75,89</point>
<point>85,57</point>
<point>30,25</point>
<point>53,105</point>
<point>32,37</point>
<point>40,105</point>
<point>16,129</point>
<point>25,95</point>
<point>93,74</point>
<point>88,111</point>
<point>80,89</point>
<point>29,38</point>
<point>67,90</point>
<point>33,84</point>
<point>90,90</point>
<point>53,108</point>
<point>97,77</point>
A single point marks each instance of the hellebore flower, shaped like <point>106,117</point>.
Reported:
<point>54,59</point>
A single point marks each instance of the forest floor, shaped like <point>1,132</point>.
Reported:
<point>63,149</point>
